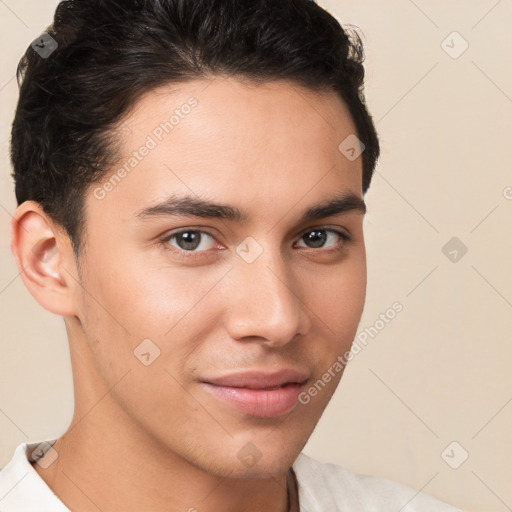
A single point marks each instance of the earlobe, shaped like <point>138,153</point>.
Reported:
<point>42,251</point>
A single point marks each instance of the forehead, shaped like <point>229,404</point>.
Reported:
<point>245,144</point>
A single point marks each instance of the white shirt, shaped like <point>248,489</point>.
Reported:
<point>323,487</point>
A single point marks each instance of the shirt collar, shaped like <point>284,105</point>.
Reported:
<point>21,487</point>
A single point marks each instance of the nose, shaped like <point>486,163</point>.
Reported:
<point>265,302</point>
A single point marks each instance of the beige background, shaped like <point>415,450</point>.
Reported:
<point>440,370</point>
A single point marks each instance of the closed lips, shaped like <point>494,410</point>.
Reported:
<point>258,394</point>
<point>259,380</point>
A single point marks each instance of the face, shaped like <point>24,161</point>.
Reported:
<point>226,319</point>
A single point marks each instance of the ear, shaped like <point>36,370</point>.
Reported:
<point>45,259</point>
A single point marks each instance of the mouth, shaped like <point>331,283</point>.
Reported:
<point>258,394</point>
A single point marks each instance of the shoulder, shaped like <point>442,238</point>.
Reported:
<point>328,486</point>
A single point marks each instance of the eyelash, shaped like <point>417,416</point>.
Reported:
<point>199,254</point>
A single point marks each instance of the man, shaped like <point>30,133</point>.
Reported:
<point>190,177</point>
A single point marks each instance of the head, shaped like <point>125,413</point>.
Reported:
<point>145,112</point>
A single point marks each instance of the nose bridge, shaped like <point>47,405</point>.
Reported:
<point>265,301</point>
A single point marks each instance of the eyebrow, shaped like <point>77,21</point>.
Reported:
<point>190,206</point>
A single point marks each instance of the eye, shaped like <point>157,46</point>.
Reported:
<point>192,243</point>
<point>190,240</point>
<point>318,237</point>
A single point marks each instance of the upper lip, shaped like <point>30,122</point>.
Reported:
<point>255,379</point>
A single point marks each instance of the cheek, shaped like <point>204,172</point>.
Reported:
<point>336,308</point>
<point>339,301</point>
<point>137,301</point>
<point>146,297</point>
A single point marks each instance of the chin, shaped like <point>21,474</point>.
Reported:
<point>279,465</point>
<point>248,462</point>
<point>271,461</point>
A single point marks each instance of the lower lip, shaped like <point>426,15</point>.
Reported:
<point>263,403</point>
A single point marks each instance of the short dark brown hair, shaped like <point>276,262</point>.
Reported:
<point>109,52</point>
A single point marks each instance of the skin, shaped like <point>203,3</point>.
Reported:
<point>272,151</point>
